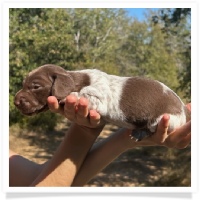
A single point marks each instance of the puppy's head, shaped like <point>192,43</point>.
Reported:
<point>47,80</point>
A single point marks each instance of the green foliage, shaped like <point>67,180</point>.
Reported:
<point>149,54</point>
<point>36,39</point>
<point>177,27</point>
<point>97,38</point>
<point>43,122</point>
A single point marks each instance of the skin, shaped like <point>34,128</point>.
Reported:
<point>78,159</point>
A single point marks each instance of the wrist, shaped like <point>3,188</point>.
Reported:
<point>126,141</point>
<point>91,132</point>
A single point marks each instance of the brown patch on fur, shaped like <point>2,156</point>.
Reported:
<point>80,79</point>
<point>143,100</point>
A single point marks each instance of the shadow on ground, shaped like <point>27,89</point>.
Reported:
<point>147,166</point>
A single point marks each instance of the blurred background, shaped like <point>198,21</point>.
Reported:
<point>155,43</point>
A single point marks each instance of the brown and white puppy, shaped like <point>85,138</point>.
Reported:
<point>133,102</point>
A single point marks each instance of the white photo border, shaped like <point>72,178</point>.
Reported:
<point>92,4</point>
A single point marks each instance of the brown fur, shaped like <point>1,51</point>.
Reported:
<point>45,81</point>
<point>148,101</point>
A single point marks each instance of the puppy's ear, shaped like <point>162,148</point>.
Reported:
<point>62,86</point>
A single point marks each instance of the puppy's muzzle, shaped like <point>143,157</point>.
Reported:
<point>27,104</point>
<point>22,103</point>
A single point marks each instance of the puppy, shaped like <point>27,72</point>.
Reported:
<point>133,102</point>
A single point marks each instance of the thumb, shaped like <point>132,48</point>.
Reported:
<point>53,103</point>
<point>161,132</point>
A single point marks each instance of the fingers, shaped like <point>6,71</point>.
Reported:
<point>53,104</point>
<point>184,142</point>
<point>82,108</point>
<point>70,107</point>
<point>180,137</point>
<point>81,116</point>
<point>161,132</point>
<point>76,110</point>
<point>165,122</point>
<point>188,106</point>
<point>183,130</point>
<point>94,118</point>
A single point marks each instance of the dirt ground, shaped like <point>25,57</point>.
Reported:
<point>146,166</point>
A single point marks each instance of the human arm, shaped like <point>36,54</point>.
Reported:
<point>62,167</point>
<point>68,158</point>
<point>105,152</point>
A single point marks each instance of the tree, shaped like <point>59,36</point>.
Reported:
<point>35,39</point>
<point>147,53</point>
<point>176,25</point>
<point>98,33</point>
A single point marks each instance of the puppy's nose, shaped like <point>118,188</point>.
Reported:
<point>19,100</point>
<point>16,102</point>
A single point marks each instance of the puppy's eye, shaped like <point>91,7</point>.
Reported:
<point>35,87</point>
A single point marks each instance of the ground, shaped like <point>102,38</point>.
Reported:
<point>145,166</point>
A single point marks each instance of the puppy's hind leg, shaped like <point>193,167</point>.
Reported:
<point>140,133</point>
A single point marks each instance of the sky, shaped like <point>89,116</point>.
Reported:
<point>138,12</point>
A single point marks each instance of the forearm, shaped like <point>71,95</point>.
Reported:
<point>65,163</point>
<point>22,171</point>
<point>105,152</point>
<point>100,155</point>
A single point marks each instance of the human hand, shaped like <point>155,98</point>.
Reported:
<point>76,110</point>
<point>179,138</point>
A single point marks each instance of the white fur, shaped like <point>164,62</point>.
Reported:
<point>174,122</point>
<point>104,88</point>
<point>165,88</point>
